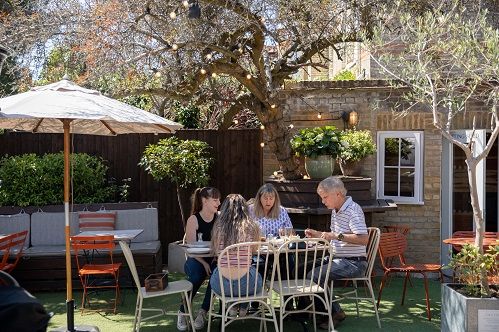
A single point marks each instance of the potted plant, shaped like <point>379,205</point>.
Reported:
<point>320,146</point>
<point>357,144</point>
<point>463,301</point>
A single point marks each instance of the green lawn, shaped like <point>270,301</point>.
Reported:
<point>410,317</point>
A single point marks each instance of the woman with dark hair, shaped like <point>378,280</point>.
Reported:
<point>205,203</point>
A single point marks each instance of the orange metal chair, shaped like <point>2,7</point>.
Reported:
<point>97,248</point>
<point>404,229</point>
<point>394,245</point>
<point>5,245</point>
<point>16,248</point>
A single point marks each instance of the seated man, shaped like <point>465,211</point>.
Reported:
<point>348,238</point>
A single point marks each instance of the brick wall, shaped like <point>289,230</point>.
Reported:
<point>374,101</point>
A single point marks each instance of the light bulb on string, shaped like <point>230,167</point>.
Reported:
<point>157,74</point>
<point>236,121</point>
<point>262,144</point>
<point>213,75</point>
<point>173,15</point>
<point>248,76</point>
<point>209,56</point>
<point>319,115</point>
<point>174,47</point>
<point>273,106</point>
<point>185,3</point>
<point>203,71</point>
<point>262,127</point>
<point>291,126</point>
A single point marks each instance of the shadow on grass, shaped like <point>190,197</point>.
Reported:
<point>394,317</point>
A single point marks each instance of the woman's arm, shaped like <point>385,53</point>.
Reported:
<point>190,229</point>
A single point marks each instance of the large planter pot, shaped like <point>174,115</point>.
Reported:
<point>467,314</point>
<point>320,167</point>
<point>350,168</point>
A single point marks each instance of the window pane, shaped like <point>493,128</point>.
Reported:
<point>407,182</point>
<point>391,182</point>
<point>392,151</point>
<point>407,152</point>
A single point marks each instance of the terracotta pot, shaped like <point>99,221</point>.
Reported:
<point>350,168</point>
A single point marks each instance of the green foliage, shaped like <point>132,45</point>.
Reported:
<point>357,144</point>
<point>317,141</point>
<point>188,115</point>
<point>184,162</point>
<point>344,75</point>
<point>33,180</point>
<point>469,264</point>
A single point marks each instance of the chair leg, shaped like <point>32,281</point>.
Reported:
<point>383,280</point>
<point>138,314</point>
<point>187,304</point>
<point>208,329</point>
<point>405,287</point>
<point>427,296</point>
<point>354,285</point>
<point>371,291</point>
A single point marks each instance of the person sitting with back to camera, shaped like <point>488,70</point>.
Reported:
<point>205,203</point>
<point>348,237</point>
<point>234,225</point>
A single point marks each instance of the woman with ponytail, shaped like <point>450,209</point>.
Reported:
<point>205,203</point>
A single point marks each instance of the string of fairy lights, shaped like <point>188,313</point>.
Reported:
<point>194,11</point>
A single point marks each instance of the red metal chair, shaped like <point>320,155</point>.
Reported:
<point>16,248</point>
<point>97,248</point>
<point>394,245</point>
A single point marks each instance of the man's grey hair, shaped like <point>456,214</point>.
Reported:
<point>332,184</point>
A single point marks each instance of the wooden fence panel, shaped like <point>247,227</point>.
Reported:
<point>237,167</point>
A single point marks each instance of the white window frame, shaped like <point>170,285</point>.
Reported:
<point>418,136</point>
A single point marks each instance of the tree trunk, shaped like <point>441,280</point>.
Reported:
<point>478,219</point>
<point>181,206</point>
<point>277,138</point>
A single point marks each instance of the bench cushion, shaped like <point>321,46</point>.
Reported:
<point>15,223</point>
<point>146,219</point>
<point>47,228</point>
<point>96,221</point>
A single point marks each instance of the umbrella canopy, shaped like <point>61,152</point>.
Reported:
<point>64,107</point>
<point>42,108</point>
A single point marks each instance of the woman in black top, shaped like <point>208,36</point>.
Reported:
<point>205,203</point>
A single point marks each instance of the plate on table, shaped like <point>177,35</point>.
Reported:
<point>198,250</point>
<point>199,244</point>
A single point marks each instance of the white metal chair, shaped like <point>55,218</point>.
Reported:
<point>182,287</point>
<point>313,259</point>
<point>234,264</point>
<point>372,249</point>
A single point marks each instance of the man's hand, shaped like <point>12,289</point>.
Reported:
<point>312,233</point>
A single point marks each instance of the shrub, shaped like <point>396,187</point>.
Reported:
<point>33,180</point>
<point>357,144</point>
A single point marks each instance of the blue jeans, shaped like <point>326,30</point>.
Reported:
<point>247,281</point>
<point>340,268</point>
<point>196,274</point>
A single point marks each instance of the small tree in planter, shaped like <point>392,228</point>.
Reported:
<point>183,162</point>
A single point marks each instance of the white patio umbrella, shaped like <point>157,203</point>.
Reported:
<point>64,107</point>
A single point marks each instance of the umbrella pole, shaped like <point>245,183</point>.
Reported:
<point>69,286</point>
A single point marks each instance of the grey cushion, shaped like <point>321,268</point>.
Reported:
<point>46,250</point>
<point>15,223</point>
<point>146,219</point>
<point>47,228</point>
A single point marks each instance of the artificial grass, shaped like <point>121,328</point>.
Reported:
<point>394,317</point>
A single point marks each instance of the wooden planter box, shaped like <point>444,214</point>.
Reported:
<point>462,314</point>
<point>156,282</point>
